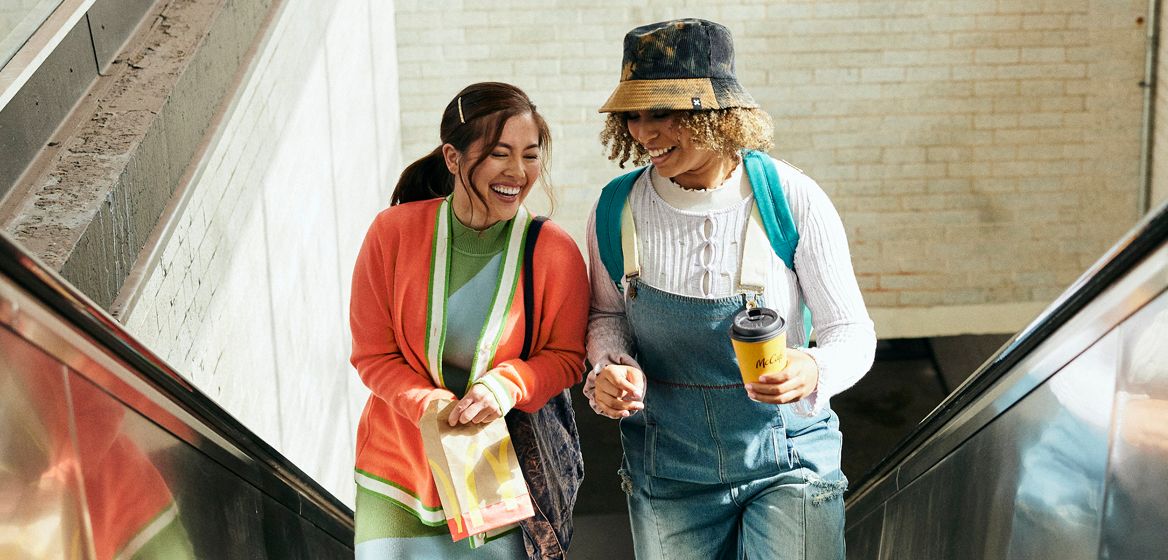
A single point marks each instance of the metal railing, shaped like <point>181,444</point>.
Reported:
<point>95,423</point>
<point>1033,455</point>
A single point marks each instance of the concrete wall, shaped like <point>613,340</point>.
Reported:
<point>16,12</point>
<point>982,153</point>
<point>18,18</point>
<point>107,133</point>
<point>1159,193</point>
<point>249,295</point>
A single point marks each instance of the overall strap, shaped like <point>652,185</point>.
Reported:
<point>529,284</point>
<point>612,215</point>
<point>752,265</point>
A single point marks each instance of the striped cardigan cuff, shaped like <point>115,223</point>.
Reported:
<point>497,385</point>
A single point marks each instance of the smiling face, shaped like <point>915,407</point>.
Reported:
<point>502,179</point>
<point>674,153</point>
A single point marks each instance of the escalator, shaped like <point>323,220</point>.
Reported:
<point>106,452</point>
<point>1056,447</point>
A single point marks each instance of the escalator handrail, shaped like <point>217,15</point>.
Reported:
<point>59,296</point>
<point>1139,242</point>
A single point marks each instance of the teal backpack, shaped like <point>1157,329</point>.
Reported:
<point>768,196</point>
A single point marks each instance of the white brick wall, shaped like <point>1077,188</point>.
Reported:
<point>982,153</point>
<point>250,298</point>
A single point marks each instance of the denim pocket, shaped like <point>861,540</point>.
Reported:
<point>711,436</point>
<point>687,452</point>
<point>650,448</point>
<point>784,452</point>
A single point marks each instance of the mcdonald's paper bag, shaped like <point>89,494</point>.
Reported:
<point>479,479</point>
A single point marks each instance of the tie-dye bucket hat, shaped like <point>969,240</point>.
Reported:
<point>684,64</point>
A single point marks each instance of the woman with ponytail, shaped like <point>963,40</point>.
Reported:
<point>454,237</point>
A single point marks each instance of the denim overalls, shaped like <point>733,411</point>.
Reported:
<point>714,474</point>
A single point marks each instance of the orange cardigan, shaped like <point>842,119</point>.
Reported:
<point>388,318</point>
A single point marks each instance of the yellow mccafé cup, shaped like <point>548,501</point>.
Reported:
<point>759,337</point>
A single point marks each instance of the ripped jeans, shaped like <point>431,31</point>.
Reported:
<point>797,513</point>
<point>709,473</point>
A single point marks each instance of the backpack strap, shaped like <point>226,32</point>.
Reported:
<point>772,205</point>
<point>611,211</point>
<point>528,283</point>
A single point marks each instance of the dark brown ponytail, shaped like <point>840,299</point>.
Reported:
<point>424,179</point>
<point>478,112</point>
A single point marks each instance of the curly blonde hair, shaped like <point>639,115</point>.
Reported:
<point>727,131</point>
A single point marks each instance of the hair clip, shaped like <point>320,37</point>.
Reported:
<point>460,117</point>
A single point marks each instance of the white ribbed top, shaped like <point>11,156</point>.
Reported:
<point>693,237</point>
<point>691,243</point>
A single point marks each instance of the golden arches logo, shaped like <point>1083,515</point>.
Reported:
<point>447,488</point>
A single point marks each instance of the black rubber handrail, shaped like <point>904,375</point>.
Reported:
<point>1138,243</point>
<point>283,481</point>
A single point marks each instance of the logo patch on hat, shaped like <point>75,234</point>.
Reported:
<point>697,103</point>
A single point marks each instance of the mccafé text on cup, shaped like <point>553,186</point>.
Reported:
<point>759,337</point>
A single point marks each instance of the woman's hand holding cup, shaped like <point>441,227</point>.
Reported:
<point>793,383</point>
<point>620,390</point>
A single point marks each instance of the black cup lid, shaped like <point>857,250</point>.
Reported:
<point>760,323</point>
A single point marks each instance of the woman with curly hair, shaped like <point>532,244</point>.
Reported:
<point>716,468</point>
